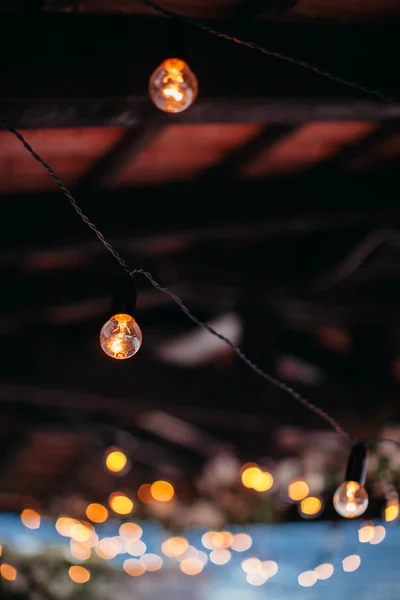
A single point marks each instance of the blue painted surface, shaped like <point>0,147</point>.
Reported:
<point>296,547</point>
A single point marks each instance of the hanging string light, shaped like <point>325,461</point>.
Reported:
<point>351,498</point>
<point>173,86</point>
<point>121,337</point>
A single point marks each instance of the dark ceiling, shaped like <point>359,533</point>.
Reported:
<point>271,202</point>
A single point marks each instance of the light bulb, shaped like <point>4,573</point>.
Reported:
<point>350,499</point>
<point>173,86</point>
<point>121,336</point>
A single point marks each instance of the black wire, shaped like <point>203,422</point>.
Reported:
<point>275,54</point>
<point>275,382</point>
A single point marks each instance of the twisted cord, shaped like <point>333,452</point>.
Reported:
<point>274,53</point>
<point>275,382</point>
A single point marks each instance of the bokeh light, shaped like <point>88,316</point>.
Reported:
<point>162,491</point>
<point>251,565</point>
<point>351,563</point>
<point>391,510</point>
<point>324,571</point>
<point>151,562</point>
<point>307,578</point>
<point>137,548</point>
<point>108,548</point>
<point>249,476</point>
<point>8,572</point>
<point>191,565</point>
<point>97,513</point>
<point>269,567</point>
<point>298,490</point>
<point>175,546</point>
<point>30,518</point>
<point>379,535</point>
<point>220,556</point>
<point>79,551</point>
<point>120,504</point>
<point>80,532</point>
<point>263,481</point>
<point>133,567</point>
<point>116,460</point>
<point>366,533</point>
<point>241,542</point>
<point>257,578</point>
<point>310,506</point>
<point>131,531</point>
<point>79,574</point>
<point>144,493</point>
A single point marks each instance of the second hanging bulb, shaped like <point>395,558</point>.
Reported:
<point>173,86</point>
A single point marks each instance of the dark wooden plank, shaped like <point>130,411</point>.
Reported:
<point>103,79</point>
<point>247,152</point>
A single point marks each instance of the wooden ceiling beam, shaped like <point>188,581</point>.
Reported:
<point>238,158</point>
<point>102,80</point>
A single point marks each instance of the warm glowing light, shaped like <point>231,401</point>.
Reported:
<point>256,578</point>
<point>80,532</point>
<point>351,563</point>
<point>65,524</point>
<point>241,542</point>
<point>175,546</point>
<point>162,491</point>
<point>379,535</point>
<point>310,506</point>
<point>220,556</point>
<point>191,565</point>
<point>173,86</point>
<point>151,562</point>
<point>391,510</point>
<point>116,460</point>
<point>220,539</point>
<point>79,574</point>
<point>251,565</point>
<point>97,513</point>
<point>350,499</point>
<point>30,518</point>
<point>131,531</point>
<point>79,551</point>
<point>269,567</point>
<point>263,482</point>
<point>249,476</point>
<point>298,490</point>
<point>1,549</point>
<point>120,504</point>
<point>366,533</point>
<point>133,567</point>
<point>307,579</point>
<point>144,494</point>
<point>8,572</point>
<point>121,337</point>
<point>324,571</point>
<point>108,548</point>
<point>137,548</point>
<point>207,540</point>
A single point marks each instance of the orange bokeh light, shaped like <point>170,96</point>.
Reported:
<point>120,504</point>
<point>30,518</point>
<point>8,572</point>
<point>298,490</point>
<point>79,574</point>
<point>97,513</point>
<point>310,505</point>
<point>116,460</point>
<point>162,491</point>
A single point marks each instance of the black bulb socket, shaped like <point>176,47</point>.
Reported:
<point>357,464</point>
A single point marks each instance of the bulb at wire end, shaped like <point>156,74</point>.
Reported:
<point>350,499</point>
<point>173,86</point>
<point>121,337</point>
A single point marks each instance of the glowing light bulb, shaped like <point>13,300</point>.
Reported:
<point>173,86</point>
<point>121,337</point>
<point>350,499</point>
